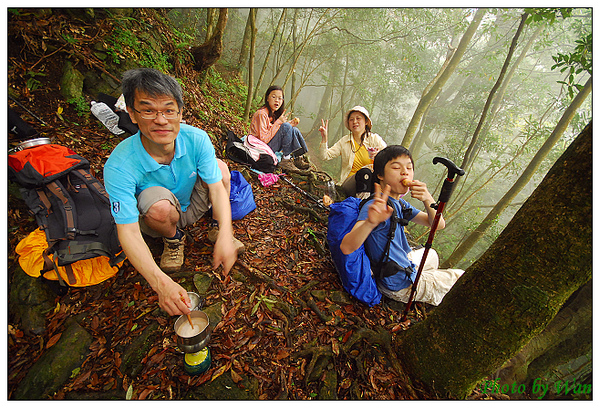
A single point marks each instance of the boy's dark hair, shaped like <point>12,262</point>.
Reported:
<point>386,155</point>
<point>152,82</point>
<point>279,111</point>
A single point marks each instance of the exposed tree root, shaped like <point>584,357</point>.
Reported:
<point>262,276</point>
<point>304,210</point>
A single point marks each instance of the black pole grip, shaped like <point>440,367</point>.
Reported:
<point>448,185</point>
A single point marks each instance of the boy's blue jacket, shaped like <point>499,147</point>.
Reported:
<point>354,269</point>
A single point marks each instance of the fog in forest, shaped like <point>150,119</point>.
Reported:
<point>442,82</point>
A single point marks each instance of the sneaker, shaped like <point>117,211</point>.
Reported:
<point>171,259</point>
<point>287,165</point>
<point>301,163</point>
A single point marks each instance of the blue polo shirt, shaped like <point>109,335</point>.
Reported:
<point>130,169</point>
<point>399,248</point>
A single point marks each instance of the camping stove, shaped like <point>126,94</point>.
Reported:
<point>193,341</point>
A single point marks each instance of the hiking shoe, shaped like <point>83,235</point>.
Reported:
<point>213,233</point>
<point>287,165</point>
<point>301,163</point>
<point>171,259</point>
<point>240,248</point>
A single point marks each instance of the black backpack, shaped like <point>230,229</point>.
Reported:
<point>69,204</point>
<point>238,152</point>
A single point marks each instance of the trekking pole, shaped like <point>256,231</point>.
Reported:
<point>316,200</point>
<point>445,194</point>
<point>28,111</point>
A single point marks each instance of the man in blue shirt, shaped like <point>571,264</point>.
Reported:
<point>163,178</point>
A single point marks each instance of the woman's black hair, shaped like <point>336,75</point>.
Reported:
<point>386,155</point>
<point>274,115</point>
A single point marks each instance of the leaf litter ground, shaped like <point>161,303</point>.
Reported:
<point>285,352</point>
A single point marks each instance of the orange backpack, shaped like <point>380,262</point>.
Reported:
<point>72,209</point>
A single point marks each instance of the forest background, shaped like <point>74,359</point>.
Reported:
<point>501,92</point>
<point>485,105</point>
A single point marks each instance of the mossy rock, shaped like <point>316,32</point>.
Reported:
<point>30,300</point>
<point>131,364</point>
<point>57,364</point>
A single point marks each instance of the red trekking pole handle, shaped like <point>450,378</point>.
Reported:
<point>447,187</point>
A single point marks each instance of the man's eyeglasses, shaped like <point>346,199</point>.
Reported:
<point>151,114</point>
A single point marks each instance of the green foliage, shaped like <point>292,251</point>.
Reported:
<point>547,14</point>
<point>575,63</point>
<point>137,40</point>
<point>232,93</point>
<point>32,82</point>
<point>81,106</point>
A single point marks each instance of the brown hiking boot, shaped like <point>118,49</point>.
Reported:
<point>301,163</point>
<point>171,259</point>
<point>287,165</point>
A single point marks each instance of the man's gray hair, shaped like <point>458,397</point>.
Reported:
<point>152,82</point>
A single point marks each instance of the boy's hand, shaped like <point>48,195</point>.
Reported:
<point>379,211</point>
<point>418,190</point>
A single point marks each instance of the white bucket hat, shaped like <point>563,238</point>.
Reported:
<point>362,110</point>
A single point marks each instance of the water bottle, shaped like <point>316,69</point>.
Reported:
<point>106,115</point>
<point>331,190</point>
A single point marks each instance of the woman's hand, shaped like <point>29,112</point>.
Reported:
<point>283,117</point>
<point>323,129</point>
<point>294,122</point>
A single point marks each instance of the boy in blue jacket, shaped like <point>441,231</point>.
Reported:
<point>394,169</point>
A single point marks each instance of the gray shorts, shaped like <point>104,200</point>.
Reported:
<point>199,205</point>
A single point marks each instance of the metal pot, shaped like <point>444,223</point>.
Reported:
<point>195,300</point>
<point>32,143</point>
<point>196,342</point>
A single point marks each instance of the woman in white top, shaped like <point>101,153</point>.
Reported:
<point>357,150</point>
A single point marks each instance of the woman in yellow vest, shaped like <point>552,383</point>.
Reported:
<point>357,150</point>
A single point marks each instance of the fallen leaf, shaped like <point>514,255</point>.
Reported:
<point>219,372</point>
<point>53,340</point>
<point>235,377</point>
<point>335,347</point>
<point>281,354</point>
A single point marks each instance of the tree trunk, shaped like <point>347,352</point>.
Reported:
<point>211,22</point>
<point>513,290</point>
<point>252,18</point>
<point>473,147</point>
<point>428,99</point>
<point>207,54</point>
<point>268,56</point>
<point>244,49</point>
<point>568,336</point>
<point>528,173</point>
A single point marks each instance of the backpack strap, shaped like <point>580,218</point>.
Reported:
<point>67,208</point>
<point>50,264</point>
<point>98,188</point>
<point>75,249</point>
<point>395,219</point>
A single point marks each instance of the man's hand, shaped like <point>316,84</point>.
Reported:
<point>172,298</point>
<point>224,253</point>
